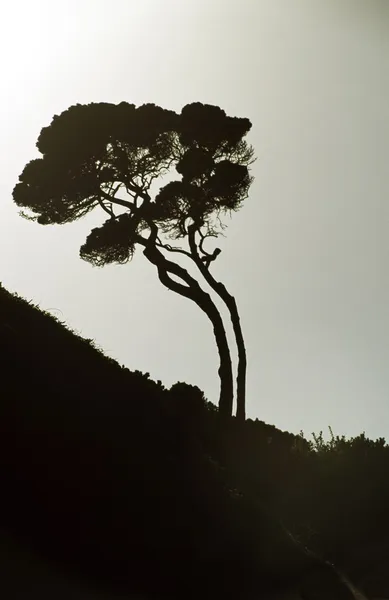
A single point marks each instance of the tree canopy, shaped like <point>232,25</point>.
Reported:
<point>90,152</point>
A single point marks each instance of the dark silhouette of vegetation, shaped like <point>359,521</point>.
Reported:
<point>138,489</point>
<point>110,156</point>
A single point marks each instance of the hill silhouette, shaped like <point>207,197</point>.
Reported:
<point>137,489</point>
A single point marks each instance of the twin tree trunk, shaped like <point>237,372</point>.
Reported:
<point>230,303</point>
<point>242,358</point>
<point>194,292</point>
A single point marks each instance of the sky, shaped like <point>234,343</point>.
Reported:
<point>307,255</point>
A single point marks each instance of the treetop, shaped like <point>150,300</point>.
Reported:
<point>108,155</point>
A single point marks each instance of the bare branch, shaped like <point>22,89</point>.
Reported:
<point>115,200</point>
<point>107,210</point>
<point>203,237</point>
<point>176,249</point>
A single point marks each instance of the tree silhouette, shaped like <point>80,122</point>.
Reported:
<point>110,156</point>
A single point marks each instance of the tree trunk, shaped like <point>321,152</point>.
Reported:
<point>230,303</point>
<point>194,292</point>
<point>242,357</point>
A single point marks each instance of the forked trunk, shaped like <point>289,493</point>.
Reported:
<point>230,303</point>
<point>194,292</point>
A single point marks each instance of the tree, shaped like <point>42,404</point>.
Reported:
<point>93,154</point>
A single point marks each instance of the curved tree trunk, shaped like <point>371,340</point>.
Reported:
<point>230,303</point>
<point>194,292</point>
<point>242,357</point>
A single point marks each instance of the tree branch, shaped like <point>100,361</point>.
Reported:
<point>107,210</point>
<point>230,302</point>
<point>157,258</point>
<point>173,249</point>
<point>194,292</point>
<point>203,237</point>
<point>202,262</point>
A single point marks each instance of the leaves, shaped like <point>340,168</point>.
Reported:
<point>107,155</point>
<point>208,127</point>
<point>195,163</point>
<point>223,189</point>
<point>52,194</point>
<point>114,242</point>
<point>229,184</point>
<point>175,203</point>
<point>79,133</point>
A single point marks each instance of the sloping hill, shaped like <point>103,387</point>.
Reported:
<point>97,466</point>
<point>113,479</point>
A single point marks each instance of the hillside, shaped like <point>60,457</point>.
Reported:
<point>140,489</point>
<point>96,463</point>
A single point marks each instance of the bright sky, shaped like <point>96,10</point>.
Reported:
<point>306,258</point>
